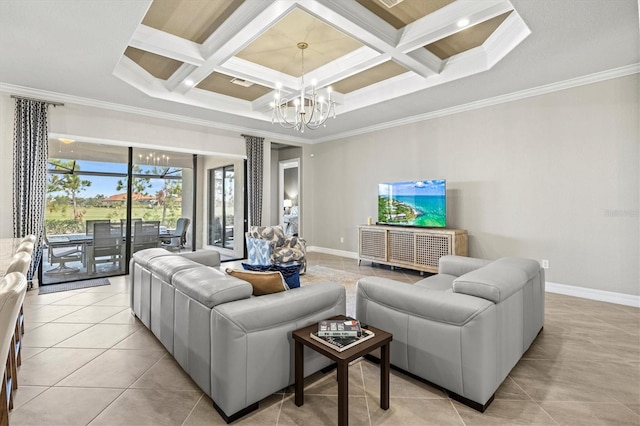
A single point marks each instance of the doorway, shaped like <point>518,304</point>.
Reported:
<point>289,196</point>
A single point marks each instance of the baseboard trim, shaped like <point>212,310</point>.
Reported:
<point>567,290</point>
<point>594,294</point>
<point>341,253</point>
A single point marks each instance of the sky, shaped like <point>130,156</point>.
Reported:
<point>422,187</point>
<point>106,185</point>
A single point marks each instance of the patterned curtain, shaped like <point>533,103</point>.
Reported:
<point>255,159</point>
<point>30,155</point>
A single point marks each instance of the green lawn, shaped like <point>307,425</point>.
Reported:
<point>59,222</point>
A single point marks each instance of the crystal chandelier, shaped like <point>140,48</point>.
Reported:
<point>306,109</point>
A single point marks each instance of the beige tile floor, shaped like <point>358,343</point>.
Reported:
<point>86,360</point>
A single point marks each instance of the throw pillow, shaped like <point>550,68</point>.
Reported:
<point>259,251</point>
<point>291,273</point>
<point>262,282</point>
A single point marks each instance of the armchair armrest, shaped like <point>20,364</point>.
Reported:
<point>435,305</point>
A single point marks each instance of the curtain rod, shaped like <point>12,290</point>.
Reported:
<point>55,104</point>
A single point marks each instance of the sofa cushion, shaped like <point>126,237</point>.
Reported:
<point>262,282</point>
<point>203,257</point>
<point>143,257</point>
<point>210,287</point>
<point>291,273</point>
<point>435,305</point>
<point>495,281</point>
<point>165,267</point>
<point>440,282</point>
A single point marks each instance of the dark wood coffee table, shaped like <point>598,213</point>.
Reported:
<point>381,340</point>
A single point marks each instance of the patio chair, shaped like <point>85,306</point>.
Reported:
<point>108,247</point>
<point>61,253</point>
<point>178,238</point>
<point>146,234</point>
<point>90,223</point>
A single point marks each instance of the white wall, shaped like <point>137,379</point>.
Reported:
<point>549,177</point>
<point>7,109</point>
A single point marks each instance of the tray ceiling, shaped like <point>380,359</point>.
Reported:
<point>228,55</point>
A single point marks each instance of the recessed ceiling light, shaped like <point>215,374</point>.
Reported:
<point>463,22</point>
<point>188,83</point>
<point>66,141</point>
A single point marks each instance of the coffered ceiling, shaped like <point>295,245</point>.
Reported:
<point>228,55</point>
<point>217,62</point>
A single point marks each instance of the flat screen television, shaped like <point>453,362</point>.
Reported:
<point>417,203</point>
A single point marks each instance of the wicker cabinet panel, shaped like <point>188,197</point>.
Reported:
<point>401,247</point>
<point>373,244</point>
<point>414,248</point>
<point>431,247</point>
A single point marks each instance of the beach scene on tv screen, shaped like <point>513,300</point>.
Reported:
<point>415,203</point>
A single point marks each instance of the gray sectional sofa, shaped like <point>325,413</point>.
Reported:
<point>236,347</point>
<point>463,329</point>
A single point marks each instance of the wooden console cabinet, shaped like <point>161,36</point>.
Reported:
<point>412,248</point>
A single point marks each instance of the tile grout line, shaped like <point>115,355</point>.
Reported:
<point>192,409</point>
<point>284,394</point>
<point>531,398</point>
<point>364,388</point>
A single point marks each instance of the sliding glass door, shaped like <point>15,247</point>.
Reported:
<point>98,196</point>
<point>221,207</point>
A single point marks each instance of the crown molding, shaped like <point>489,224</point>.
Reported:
<point>523,94</point>
<point>64,98</point>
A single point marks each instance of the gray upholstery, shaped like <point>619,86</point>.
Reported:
<point>464,333</point>
<point>236,347</point>
<point>144,256</point>
<point>204,257</point>
<point>211,287</point>
<point>165,267</point>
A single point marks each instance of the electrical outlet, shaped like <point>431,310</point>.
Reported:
<point>341,240</point>
<point>545,263</point>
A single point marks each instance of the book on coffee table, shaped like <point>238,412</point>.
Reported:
<point>342,343</point>
<point>339,328</point>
